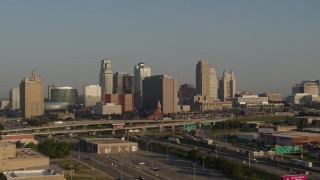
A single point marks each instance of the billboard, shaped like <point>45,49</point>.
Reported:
<point>294,177</point>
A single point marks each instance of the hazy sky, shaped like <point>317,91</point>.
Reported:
<point>270,45</point>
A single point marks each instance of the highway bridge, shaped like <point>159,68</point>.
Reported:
<point>106,125</point>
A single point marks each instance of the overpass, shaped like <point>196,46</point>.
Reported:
<point>102,126</point>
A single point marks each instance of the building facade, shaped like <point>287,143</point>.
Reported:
<point>125,100</point>
<point>106,76</point>
<point>206,80</point>
<point>227,86</point>
<point>92,95</point>
<point>186,94</point>
<point>31,96</point>
<point>272,96</point>
<point>122,83</point>
<point>62,94</point>
<point>163,89</point>
<point>249,99</point>
<point>106,109</point>
<point>141,71</point>
<point>14,97</point>
<point>309,87</point>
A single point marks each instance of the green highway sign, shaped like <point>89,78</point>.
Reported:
<point>287,149</point>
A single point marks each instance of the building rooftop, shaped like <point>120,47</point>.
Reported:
<point>29,173</point>
<point>294,134</point>
<point>5,143</point>
<point>106,141</point>
<point>26,153</point>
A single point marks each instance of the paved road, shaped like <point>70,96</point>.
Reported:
<point>279,166</point>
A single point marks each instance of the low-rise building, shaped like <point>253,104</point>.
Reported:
<point>107,145</point>
<point>23,138</point>
<point>213,105</point>
<point>45,174</point>
<point>108,108</point>
<point>15,159</point>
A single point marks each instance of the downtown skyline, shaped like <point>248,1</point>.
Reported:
<point>268,45</point>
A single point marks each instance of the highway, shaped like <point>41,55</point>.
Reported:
<point>97,126</point>
<point>156,166</point>
<point>278,166</point>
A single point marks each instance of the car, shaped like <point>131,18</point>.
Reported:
<point>237,150</point>
<point>141,163</point>
<point>254,160</point>
<point>156,169</point>
<point>140,177</point>
<point>289,168</point>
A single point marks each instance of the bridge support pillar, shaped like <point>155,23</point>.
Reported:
<point>173,128</point>
<point>50,136</point>
<point>144,130</point>
<point>113,132</point>
<point>94,133</point>
<point>160,128</point>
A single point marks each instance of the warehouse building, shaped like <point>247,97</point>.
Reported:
<point>107,145</point>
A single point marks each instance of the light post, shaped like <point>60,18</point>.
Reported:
<point>194,170</point>
<point>79,151</point>
<point>202,164</point>
<point>167,153</point>
<point>121,170</point>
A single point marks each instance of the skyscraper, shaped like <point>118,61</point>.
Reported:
<point>31,96</point>
<point>227,86</point>
<point>122,83</point>
<point>163,89</point>
<point>141,70</point>
<point>14,97</point>
<point>206,80</point>
<point>92,95</point>
<point>106,77</point>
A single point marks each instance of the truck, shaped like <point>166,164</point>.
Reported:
<point>207,141</point>
<point>173,139</point>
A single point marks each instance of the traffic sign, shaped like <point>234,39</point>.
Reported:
<point>287,149</point>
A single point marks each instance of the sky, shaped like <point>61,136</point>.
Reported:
<point>269,45</point>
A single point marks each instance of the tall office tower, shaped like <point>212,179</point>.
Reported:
<point>122,83</point>
<point>62,94</point>
<point>106,77</point>
<point>186,94</point>
<point>31,96</point>
<point>141,71</point>
<point>163,89</point>
<point>14,97</point>
<point>92,95</point>
<point>206,80</point>
<point>227,86</point>
<point>309,87</point>
<point>128,84</point>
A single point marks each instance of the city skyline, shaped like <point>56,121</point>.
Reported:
<point>268,45</point>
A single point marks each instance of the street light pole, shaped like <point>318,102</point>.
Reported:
<point>202,164</point>
<point>194,170</point>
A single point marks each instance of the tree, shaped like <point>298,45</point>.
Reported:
<point>194,154</point>
<point>31,145</point>
<point>54,149</point>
